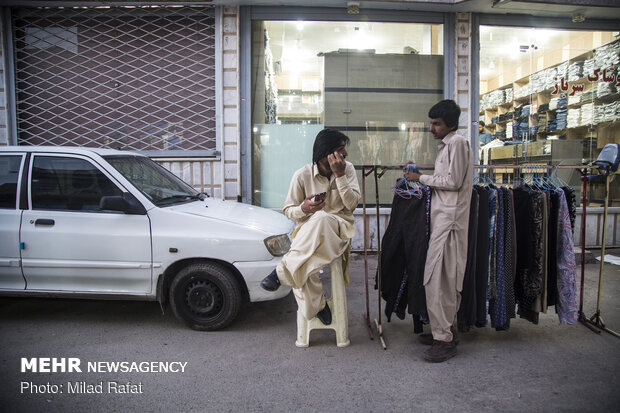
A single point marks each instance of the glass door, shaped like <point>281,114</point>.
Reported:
<point>372,81</point>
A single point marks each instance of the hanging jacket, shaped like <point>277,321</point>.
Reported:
<point>403,255</point>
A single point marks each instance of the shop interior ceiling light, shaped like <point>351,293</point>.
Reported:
<point>353,7</point>
<point>579,17</point>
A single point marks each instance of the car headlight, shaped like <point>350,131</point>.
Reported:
<point>278,245</point>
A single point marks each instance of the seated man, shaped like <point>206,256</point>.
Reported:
<point>321,198</point>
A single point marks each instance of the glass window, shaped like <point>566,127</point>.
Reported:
<point>158,184</point>
<point>72,184</point>
<point>9,175</point>
<point>551,97</point>
<point>373,81</point>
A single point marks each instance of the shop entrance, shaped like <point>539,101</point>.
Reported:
<point>549,97</point>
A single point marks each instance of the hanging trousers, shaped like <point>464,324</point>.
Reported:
<point>467,311</point>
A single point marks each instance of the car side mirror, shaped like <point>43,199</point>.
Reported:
<point>126,203</point>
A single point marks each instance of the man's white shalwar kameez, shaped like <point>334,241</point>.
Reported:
<point>451,183</point>
<point>321,237</point>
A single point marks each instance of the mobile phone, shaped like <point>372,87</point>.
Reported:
<point>320,197</point>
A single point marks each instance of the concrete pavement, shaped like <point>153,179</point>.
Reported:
<point>254,365</point>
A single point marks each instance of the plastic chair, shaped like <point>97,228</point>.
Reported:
<point>337,304</point>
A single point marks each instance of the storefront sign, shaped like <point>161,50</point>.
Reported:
<point>608,76</point>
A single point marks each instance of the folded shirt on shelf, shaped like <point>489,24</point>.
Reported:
<point>562,102</point>
<point>542,121</point>
<point>607,55</point>
<point>573,117</point>
<point>605,88</point>
<point>588,95</point>
<point>587,114</point>
<point>575,99</point>
<point>506,116</point>
<point>560,117</point>
<point>553,103</point>
<point>575,71</point>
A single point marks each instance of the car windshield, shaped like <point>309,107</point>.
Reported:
<point>160,186</point>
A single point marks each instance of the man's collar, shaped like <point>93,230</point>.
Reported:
<point>446,139</point>
<point>315,170</point>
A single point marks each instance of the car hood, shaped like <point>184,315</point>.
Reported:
<point>262,219</point>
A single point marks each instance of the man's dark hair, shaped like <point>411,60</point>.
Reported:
<point>481,123</point>
<point>447,110</point>
<point>326,142</point>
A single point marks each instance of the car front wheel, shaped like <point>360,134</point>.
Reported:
<point>205,296</point>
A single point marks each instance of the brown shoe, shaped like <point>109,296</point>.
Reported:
<point>427,338</point>
<point>440,351</point>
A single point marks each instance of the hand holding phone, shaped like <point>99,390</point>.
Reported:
<point>313,203</point>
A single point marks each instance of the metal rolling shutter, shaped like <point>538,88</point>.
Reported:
<point>134,78</point>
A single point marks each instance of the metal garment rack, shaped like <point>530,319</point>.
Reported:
<point>378,171</point>
<point>594,323</point>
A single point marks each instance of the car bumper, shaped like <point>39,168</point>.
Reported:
<point>253,273</point>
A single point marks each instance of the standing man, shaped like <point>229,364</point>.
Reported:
<point>451,183</point>
<point>321,198</point>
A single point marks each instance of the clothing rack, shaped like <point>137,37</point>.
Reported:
<point>378,171</point>
<point>594,323</point>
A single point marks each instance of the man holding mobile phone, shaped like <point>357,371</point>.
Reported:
<point>321,199</point>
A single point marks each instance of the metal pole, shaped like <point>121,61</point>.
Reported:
<point>603,241</point>
<point>596,319</point>
<point>584,200</point>
<point>367,313</point>
<point>378,319</point>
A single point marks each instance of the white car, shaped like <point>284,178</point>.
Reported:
<point>100,223</point>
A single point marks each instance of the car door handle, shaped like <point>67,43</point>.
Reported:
<point>42,221</point>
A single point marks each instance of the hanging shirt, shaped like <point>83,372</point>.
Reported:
<point>566,306</point>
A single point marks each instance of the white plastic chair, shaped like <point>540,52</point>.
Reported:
<point>338,305</point>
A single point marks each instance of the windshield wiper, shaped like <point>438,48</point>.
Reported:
<point>174,198</point>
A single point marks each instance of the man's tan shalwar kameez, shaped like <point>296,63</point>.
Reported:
<point>451,183</point>
<point>320,237</point>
